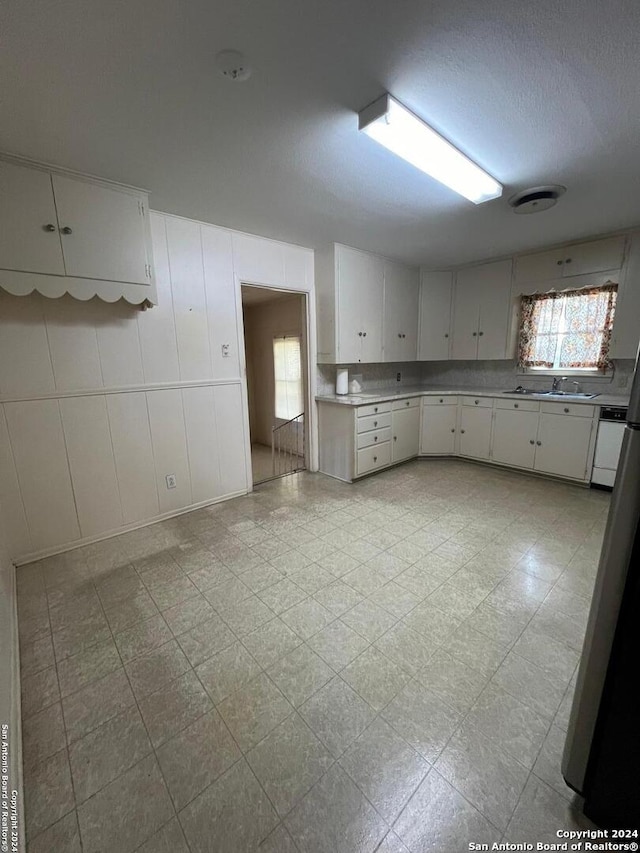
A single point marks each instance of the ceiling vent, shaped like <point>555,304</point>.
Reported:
<point>233,65</point>
<point>536,199</point>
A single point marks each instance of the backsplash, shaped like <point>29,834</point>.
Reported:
<point>466,374</point>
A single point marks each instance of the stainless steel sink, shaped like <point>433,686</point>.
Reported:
<point>576,395</point>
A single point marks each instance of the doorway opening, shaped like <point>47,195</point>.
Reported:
<point>275,341</point>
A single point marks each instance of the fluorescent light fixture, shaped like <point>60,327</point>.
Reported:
<point>403,133</point>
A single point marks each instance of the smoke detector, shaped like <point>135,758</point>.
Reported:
<point>233,65</point>
<point>536,199</point>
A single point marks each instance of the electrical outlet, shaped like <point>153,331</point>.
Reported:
<point>171,481</point>
<point>398,377</point>
<point>226,350</point>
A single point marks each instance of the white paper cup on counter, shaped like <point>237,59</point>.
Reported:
<point>342,380</point>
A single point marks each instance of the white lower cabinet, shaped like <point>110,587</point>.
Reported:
<point>405,429</point>
<point>514,436</point>
<point>438,430</point>
<point>562,445</point>
<point>475,428</point>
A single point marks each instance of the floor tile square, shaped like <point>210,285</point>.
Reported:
<point>271,642</point>
<point>307,618</point>
<point>247,615</point>
<point>227,671</point>
<point>375,677</point>
<point>205,640</point>
<point>337,644</point>
<point>187,614</point>
<point>43,734</point>
<point>300,674</point>
<point>142,637</point>
<point>253,711</point>
<point>410,650</point>
<point>48,793</point>
<point>282,595</point>
<point>334,817</point>
<point>369,620</point>
<point>153,670</point>
<point>173,707</point>
<point>337,715</point>
<point>452,680</point>
<point>530,684</point>
<point>95,704</point>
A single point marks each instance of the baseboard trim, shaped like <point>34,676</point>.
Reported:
<point>110,534</point>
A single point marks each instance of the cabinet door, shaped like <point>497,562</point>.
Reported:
<point>475,432</point>
<point>29,237</point>
<point>626,329</point>
<point>108,234</point>
<point>562,445</point>
<point>514,437</point>
<point>438,431</point>
<point>400,312</point>
<point>466,309</point>
<point>494,287</point>
<point>405,433</point>
<point>360,304</point>
<point>435,316</point>
<point>541,266</point>
<point>596,256</point>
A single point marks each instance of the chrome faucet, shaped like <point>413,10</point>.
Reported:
<point>556,382</point>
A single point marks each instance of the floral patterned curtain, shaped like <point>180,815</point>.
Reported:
<point>567,329</point>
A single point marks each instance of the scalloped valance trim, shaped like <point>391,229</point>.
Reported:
<point>53,287</point>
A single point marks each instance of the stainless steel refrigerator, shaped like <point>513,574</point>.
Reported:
<point>602,751</point>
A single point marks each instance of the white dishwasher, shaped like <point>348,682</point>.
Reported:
<point>608,444</point>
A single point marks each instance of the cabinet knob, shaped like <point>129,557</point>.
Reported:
<point>395,437</point>
<point>515,406</point>
<point>531,441</point>
<point>474,334</point>
<point>453,430</point>
<point>375,438</point>
<point>66,230</point>
<point>462,431</point>
<point>364,334</point>
<point>375,458</point>
<point>441,400</point>
<point>403,335</point>
<point>567,260</point>
<point>559,263</point>
<point>375,409</point>
<point>48,227</point>
<point>481,333</point>
<point>539,443</point>
<point>375,423</point>
<point>566,411</point>
<point>446,334</point>
<point>476,402</point>
<point>407,403</point>
<point>359,334</point>
<point>399,335</point>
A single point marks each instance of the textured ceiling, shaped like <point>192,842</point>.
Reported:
<point>536,92</point>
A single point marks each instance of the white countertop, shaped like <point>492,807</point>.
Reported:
<point>382,395</point>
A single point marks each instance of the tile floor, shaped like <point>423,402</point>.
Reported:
<point>314,667</point>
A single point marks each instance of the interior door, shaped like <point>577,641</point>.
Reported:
<point>106,237</point>
<point>29,237</point>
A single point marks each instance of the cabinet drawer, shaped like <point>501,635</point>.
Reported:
<point>440,401</point>
<point>521,405</point>
<point>374,422</point>
<point>371,458</point>
<point>378,436</point>
<point>480,402</point>
<point>411,403</point>
<point>374,409</point>
<point>578,410</point>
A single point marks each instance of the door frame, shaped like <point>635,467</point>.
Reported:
<point>311,418</point>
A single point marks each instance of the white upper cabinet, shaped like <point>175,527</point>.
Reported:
<point>626,328</point>
<point>29,237</point>
<point>401,296</point>
<point>367,307</point>
<point>580,259</point>
<point>481,311</point>
<point>102,231</point>
<point>434,340</point>
<point>63,233</point>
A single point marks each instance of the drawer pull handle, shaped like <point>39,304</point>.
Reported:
<point>566,411</point>
<point>539,443</point>
<point>375,437</point>
<point>375,423</point>
<point>375,458</point>
<point>375,409</point>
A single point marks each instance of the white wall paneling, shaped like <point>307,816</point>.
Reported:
<point>25,362</point>
<point>131,439</point>
<point>92,464</point>
<point>102,401</point>
<point>202,441</point>
<point>166,417</point>
<point>189,302</point>
<point>16,530</point>
<point>40,455</point>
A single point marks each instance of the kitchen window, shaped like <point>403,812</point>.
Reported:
<point>567,330</point>
<point>287,373</point>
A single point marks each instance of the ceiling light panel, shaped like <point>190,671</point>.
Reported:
<point>407,136</point>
